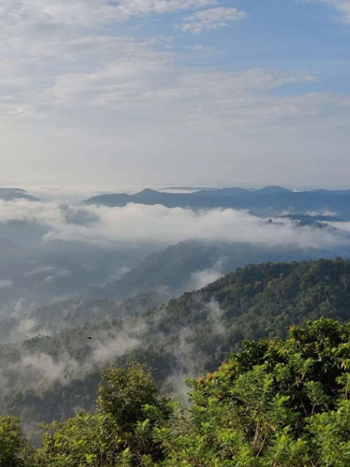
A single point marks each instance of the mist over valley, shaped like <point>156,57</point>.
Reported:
<point>85,285</point>
<point>174,233</point>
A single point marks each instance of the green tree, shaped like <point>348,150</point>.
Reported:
<point>14,451</point>
<point>121,430</point>
<point>275,404</point>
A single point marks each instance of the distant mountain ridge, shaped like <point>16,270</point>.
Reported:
<point>10,194</point>
<point>270,199</point>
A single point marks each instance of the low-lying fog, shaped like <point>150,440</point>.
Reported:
<point>50,251</point>
<point>68,269</point>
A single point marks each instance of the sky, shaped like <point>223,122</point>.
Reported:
<point>175,92</point>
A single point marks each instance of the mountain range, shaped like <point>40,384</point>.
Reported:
<point>268,200</point>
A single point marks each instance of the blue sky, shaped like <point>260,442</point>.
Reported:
<point>154,92</point>
<point>286,34</point>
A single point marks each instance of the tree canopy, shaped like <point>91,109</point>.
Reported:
<point>191,335</point>
<point>275,403</point>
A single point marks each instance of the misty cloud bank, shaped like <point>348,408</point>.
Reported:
<point>135,223</point>
<point>103,229</point>
<point>37,364</point>
<point>40,370</point>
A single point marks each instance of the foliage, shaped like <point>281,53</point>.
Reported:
<point>14,451</point>
<point>119,433</point>
<point>274,404</point>
<point>191,335</point>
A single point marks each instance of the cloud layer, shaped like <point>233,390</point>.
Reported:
<point>136,223</point>
<point>211,19</point>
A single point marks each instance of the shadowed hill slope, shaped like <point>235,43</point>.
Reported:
<point>193,264</point>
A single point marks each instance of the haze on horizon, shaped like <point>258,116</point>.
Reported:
<point>190,92</point>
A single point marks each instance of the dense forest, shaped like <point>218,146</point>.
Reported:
<point>51,376</point>
<point>275,403</point>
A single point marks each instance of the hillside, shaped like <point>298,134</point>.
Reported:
<point>194,264</point>
<point>73,313</point>
<point>190,335</point>
<point>10,194</point>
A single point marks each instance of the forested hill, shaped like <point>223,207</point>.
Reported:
<point>263,300</point>
<point>259,301</point>
<point>193,264</point>
<point>189,336</point>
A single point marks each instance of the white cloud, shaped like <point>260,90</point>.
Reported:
<point>90,84</point>
<point>87,13</point>
<point>343,6</point>
<point>39,270</point>
<point>75,81</point>
<point>211,19</point>
<point>158,224</point>
<point>40,370</point>
<point>128,8</point>
<point>202,278</point>
<point>344,226</point>
<point>5,284</point>
<point>62,75</point>
<point>112,345</point>
<point>145,85</point>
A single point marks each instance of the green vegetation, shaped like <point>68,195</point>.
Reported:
<point>173,270</point>
<point>14,451</point>
<point>192,335</point>
<point>275,403</point>
<point>121,432</point>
